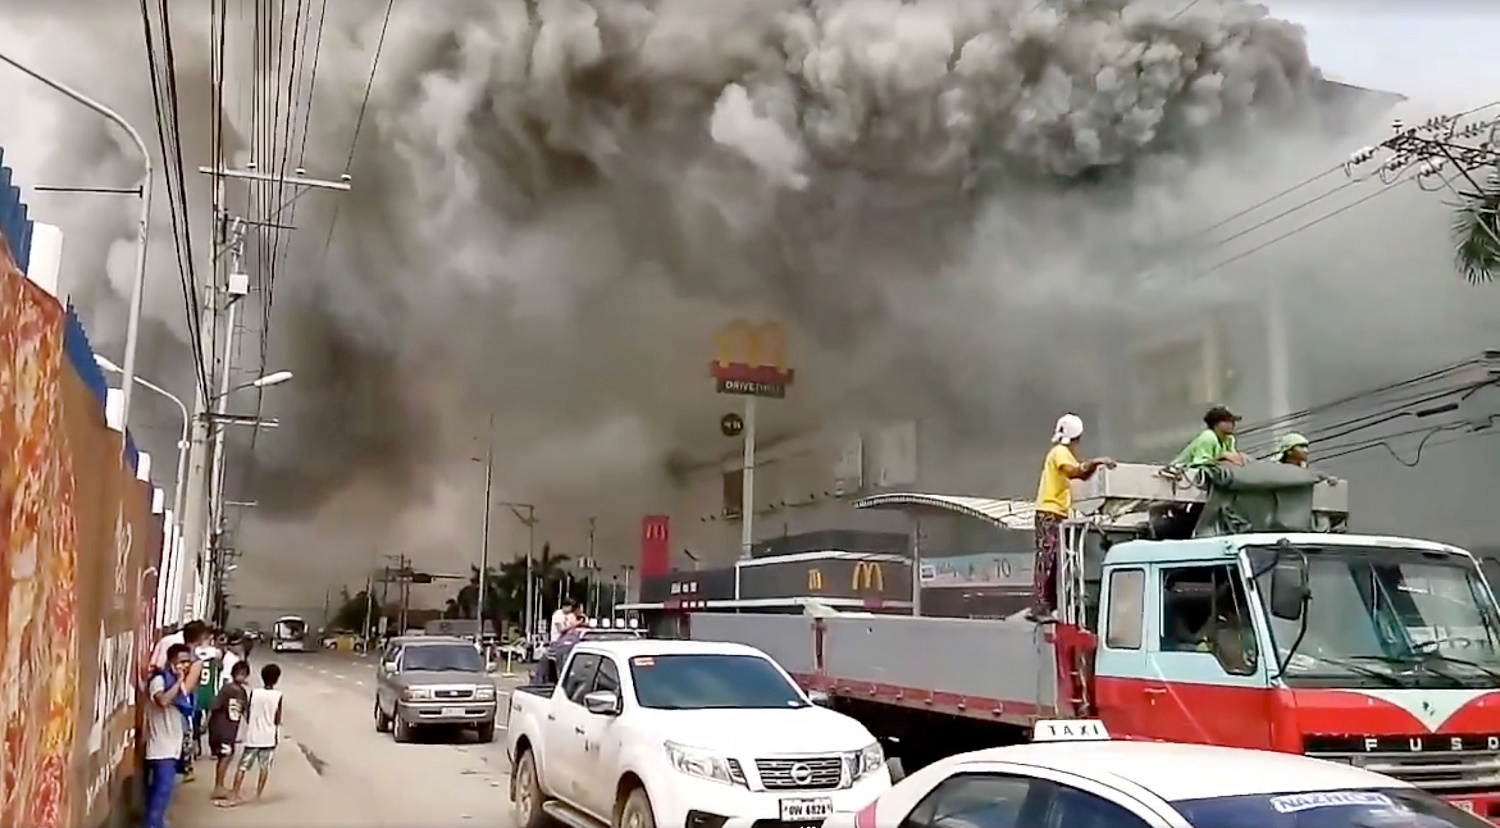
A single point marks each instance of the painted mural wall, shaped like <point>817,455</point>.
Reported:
<point>78,545</point>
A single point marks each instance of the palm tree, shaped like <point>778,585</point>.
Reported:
<point>1476,233</point>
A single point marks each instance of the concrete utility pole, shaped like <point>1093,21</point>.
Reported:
<point>199,515</point>
<point>484,547</point>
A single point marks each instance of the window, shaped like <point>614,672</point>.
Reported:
<point>980,800</point>
<point>1072,808</point>
<point>1127,596</point>
<point>1204,610</point>
<point>580,675</point>
<point>701,682</point>
<point>607,680</point>
<point>456,658</point>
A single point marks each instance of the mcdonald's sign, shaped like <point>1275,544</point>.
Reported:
<point>814,580</point>
<point>868,576</point>
<point>750,360</point>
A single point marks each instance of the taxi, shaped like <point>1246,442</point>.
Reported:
<point>1072,775</point>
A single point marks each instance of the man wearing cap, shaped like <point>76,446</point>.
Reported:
<point>1293,451</point>
<point>1054,502</point>
<point>1214,444</point>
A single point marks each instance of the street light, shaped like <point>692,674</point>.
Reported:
<point>272,379</point>
<point>137,285</point>
<point>182,440</point>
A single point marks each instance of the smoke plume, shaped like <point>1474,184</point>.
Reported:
<point>556,203</point>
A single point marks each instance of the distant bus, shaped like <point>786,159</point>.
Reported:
<point>289,634</point>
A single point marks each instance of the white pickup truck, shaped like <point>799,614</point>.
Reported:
<point>683,734</point>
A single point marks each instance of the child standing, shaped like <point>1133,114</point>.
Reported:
<point>225,715</point>
<point>262,733</point>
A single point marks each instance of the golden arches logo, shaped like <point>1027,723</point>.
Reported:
<point>868,575</point>
<point>753,346</point>
<point>814,580</point>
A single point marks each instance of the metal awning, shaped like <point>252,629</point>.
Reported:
<point>1006,514</point>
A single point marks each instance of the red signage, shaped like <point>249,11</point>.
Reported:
<point>656,545</point>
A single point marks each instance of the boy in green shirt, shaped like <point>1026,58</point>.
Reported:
<point>1215,444</point>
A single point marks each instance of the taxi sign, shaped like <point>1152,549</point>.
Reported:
<point>1069,730</point>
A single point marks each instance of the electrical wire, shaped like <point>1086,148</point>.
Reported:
<point>359,123</point>
<point>166,138</point>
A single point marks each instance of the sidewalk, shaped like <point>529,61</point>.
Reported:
<point>296,795</point>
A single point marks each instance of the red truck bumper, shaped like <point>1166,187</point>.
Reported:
<point>1486,805</point>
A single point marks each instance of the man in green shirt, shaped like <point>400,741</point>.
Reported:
<point>1215,444</point>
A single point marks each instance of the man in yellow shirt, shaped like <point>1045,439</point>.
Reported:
<point>1054,502</point>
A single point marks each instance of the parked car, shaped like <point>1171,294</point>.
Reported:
<point>1072,775</point>
<point>427,681</point>
<point>671,733</point>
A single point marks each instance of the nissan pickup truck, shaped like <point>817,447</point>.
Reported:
<point>639,734</point>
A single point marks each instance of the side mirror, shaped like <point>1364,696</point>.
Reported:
<point>602,703</point>
<point>1289,590</point>
<point>820,698</point>
<point>389,666</point>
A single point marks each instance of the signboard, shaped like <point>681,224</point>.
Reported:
<point>984,569</point>
<point>877,580</point>
<point>656,533</point>
<point>750,360</point>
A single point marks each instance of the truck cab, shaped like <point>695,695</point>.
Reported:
<point>1380,652</point>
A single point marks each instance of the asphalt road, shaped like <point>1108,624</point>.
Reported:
<point>441,779</point>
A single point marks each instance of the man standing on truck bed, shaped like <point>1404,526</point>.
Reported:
<point>1054,502</point>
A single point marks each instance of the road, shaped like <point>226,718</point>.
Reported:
<point>438,780</point>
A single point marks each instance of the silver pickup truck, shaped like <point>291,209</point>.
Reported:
<point>426,681</point>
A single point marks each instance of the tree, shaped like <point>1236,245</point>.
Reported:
<point>1476,234</point>
<point>351,613</point>
<point>505,587</point>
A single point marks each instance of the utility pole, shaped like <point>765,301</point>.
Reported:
<point>369,607</point>
<point>484,546</point>
<point>198,513</point>
<point>595,565</point>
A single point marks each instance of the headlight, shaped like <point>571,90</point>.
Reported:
<point>700,763</point>
<point>484,693</point>
<point>417,693</point>
<point>864,762</point>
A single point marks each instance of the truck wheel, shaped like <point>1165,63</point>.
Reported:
<point>636,812</point>
<point>526,793</point>
<point>487,732</point>
<point>382,721</point>
<point>401,731</point>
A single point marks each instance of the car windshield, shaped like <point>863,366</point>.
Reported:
<point>712,681</point>
<point>1390,617</point>
<point>1387,808</point>
<point>442,657</point>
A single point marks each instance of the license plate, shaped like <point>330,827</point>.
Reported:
<point>453,711</point>
<point>795,810</point>
<point>1463,805</point>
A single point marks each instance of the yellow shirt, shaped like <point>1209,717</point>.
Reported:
<point>1054,495</point>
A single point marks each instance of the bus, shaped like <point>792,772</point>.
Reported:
<point>289,634</point>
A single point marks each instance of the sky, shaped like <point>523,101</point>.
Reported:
<point>1438,51</point>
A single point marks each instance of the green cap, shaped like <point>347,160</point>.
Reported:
<point>1291,441</point>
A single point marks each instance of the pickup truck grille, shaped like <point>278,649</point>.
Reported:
<point>814,773</point>
<point>453,693</point>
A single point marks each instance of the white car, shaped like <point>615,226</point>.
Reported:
<point>639,734</point>
<point>1073,776</point>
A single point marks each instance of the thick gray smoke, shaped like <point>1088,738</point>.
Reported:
<point>557,202</point>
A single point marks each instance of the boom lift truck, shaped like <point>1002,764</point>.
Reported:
<point>1381,652</point>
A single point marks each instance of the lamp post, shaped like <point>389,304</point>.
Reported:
<point>484,543</point>
<point>182,441</point>
<point>143,223</point>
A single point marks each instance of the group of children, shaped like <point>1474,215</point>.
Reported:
<point>190,697</point>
